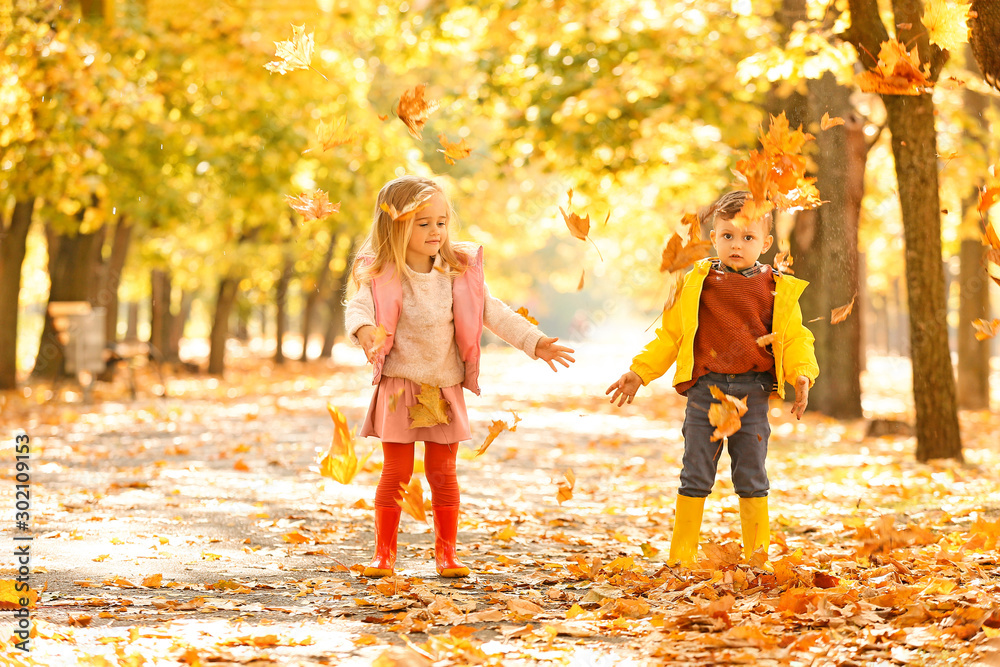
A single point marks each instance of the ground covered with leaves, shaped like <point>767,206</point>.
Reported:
<point>195,528</point>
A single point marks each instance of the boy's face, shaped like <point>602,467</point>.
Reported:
<point>740,247</point>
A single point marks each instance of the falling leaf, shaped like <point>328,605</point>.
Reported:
<point>897,72</point>
<point>565,491</point>
<point>294,54</point>
<point>991,190</point>
<point>414,110</point>
<point>947,23</point>
<point>579,285</point>
<point>378,342</point>
<point>313,207</point>
<point>826,122</point>
<point>496,428</point>
<point>336,134</point>
<point>578,227</point>
<point>412,499</point>
<point>838,315</point>
<point>675,281</point>
<point>452,151</point>
<point>340,463</point>
<point>431,408</point>
<point>408,211</point>
<point>986,329</point>
<point>783,262</point>
<point>993,254</point>
<point>677,256</point>
<point>766,340</point>
<point>394,399</point>
<point>523,312</point>
<point>725,415</point>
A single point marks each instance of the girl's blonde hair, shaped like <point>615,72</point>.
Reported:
<point>385,247</point>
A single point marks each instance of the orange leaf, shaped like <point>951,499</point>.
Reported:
<point>986,329</point>
<point>677,256</point>
<point>414,110</point>
<point>340,463</point>
<point>580,284</point>
<point>452,151</point>
<point>11,595</point>
<point>990,193</point>
<point>579,227</point>
<point>783,262</point>
<point>412,499</point>
<point>725,415</point>
<point>153,581</point>
<point>431,408</point>
<point>394,399</point>
<point>765,340</point>
<point>408,211</point>
<point>496,428</point>
<point>675,281</point>
<point>565,491</point>
<point>313,207</point>
<point>335,134</point>
<point>241,466</point>
<point>826,122</point>
<point>896,73</point>
<point>523,312</point>
<point>838,315</point>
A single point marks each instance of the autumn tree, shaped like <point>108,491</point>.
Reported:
<point>914,147</point>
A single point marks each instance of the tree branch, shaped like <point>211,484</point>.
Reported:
<point>912,33</point>
<point>867,32</point>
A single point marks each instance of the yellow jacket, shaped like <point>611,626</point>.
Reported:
<point>674,342</point>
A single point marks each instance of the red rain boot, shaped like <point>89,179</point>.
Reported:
<point>445,535</point>
<point>386,527</point>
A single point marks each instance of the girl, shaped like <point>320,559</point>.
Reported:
<point>428,296</point>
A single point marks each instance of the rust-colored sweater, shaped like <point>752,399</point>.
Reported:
<point>734,311</point>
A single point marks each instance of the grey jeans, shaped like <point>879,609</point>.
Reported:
<point>747,447</point>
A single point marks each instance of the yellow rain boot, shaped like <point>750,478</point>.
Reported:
<point>756,527</point>
<point>687,527</point>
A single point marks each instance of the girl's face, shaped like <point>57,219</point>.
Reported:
<point>740,247</point>
<point>428,232</point>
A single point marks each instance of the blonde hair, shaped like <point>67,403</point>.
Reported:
<point>385,246</point>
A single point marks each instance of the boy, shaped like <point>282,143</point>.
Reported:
<point>726,304</point>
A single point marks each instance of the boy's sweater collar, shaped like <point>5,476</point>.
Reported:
<point>749,272</point>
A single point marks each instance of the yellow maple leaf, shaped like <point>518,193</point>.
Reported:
<point>431,408</point>
<point>293,54</point>
<point>946,22</point>
<point>315,206</point>
<point>565,489</point>
<point>452,151</point>
<point>335,133</point>
<point>496,428</point>
<point>411,499</point>
<point>340,463</point>
<point>725,415</point>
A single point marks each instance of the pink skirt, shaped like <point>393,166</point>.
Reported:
<point>394,425</point>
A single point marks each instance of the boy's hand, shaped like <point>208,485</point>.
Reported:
<point>366,337</point>
<point>801,396</point>
<point>625,388</point>
<point>547,350</point>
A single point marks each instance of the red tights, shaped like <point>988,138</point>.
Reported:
<point>439,467</point>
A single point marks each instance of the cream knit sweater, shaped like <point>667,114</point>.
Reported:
<point>424,349</point>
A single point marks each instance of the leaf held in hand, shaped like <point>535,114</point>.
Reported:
<point>725,415</point>
<point>838,315</point>
<point>340,463</point>
<point>293,54</point>
<point>411,499</point>
<point>315,206</point>
<point>565,491</point>
<point>414,110</point>
<point>431,408</point>
<point>496,428</point>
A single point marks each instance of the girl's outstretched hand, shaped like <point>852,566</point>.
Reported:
<point>547,350</point>
<point>801,396</point>
<point>625,388</point>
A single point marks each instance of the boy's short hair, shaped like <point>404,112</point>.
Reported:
<point>728,205</point>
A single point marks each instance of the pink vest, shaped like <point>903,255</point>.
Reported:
<point>468,301</point>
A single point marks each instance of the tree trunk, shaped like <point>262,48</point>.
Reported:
<point>110,280</point>
<point>832,257</point>
<point>220,325</point>
<point>914,149</point>
<point>973,355</point>
<point>132,321</point>
<point>314,295</point>
<point>13,242</point>
<point>281,310</point>
<point>335,302</point>
<point>70,271</point>
<point>159,308</point>
<point>177,323</point>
